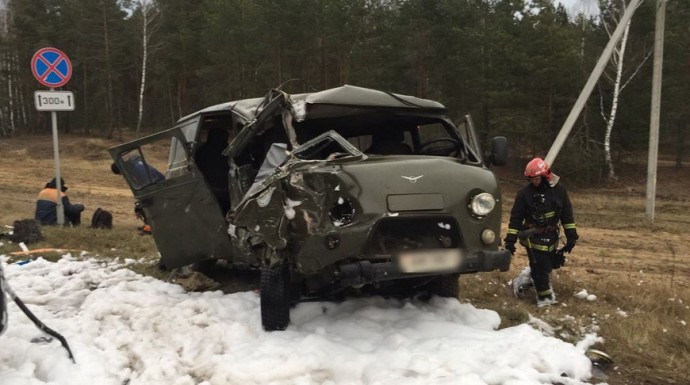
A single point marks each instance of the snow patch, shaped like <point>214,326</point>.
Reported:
<point>127,328</point>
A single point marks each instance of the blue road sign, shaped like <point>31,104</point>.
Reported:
<point>51,67</point>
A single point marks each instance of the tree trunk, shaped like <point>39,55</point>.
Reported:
<point>619,55</point>
<point>144,57</point>
<point>85,92</point>
<point>3,118</point>
<point>279,64</point>
<point>22,117</point>
<point>181,92</point>
<point>171,101</point>
<point>108,74</point>
<point>421,75</point>
<point>10,90</point>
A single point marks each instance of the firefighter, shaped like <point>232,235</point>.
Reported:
<point>539,209</point>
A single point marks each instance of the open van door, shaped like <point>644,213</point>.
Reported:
<point>187,223</point>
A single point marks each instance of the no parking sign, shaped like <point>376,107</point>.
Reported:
<point>51,67</point>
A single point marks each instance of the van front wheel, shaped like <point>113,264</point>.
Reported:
<point>275,297</point>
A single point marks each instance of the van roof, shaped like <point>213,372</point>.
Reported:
<point>346,95</point>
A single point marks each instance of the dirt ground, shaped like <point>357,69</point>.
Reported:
<point>27,164</point>
<point>618,248</point>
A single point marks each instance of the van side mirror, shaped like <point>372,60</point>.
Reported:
<point>499,151</point>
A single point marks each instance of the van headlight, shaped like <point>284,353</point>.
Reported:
<point>342,212</point>
<point>482,204</point>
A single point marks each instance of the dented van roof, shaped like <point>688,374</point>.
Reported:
<point>347,95</point>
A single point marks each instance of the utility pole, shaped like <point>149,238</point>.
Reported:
<point>656,108</point>
<point>591,82</point>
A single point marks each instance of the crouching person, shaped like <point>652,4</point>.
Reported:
<point>46,205</point>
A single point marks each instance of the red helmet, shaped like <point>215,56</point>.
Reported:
<point>537,167</point>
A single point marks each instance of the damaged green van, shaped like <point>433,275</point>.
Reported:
<point>346,189</point>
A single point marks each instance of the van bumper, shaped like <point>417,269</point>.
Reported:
<point>367,272</point>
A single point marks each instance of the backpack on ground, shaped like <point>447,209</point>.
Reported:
<point>27,231</point>
<point>102,219</point>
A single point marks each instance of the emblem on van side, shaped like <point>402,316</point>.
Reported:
<point>412,179</point>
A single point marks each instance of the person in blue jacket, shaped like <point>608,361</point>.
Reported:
<point>46,205</point>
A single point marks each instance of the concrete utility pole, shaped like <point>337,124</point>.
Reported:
<point>591,82</point>
<point>656,107</point>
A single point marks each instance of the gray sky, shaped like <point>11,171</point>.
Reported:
<point>576,6</point>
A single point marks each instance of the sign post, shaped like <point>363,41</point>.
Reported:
<point>52,68</point>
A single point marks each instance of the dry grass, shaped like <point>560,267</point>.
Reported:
<point>639,271</point>
<point>643,323</point>
<point>84,242</point>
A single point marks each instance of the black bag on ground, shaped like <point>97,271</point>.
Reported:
<point>102,219</point>
<point>27,231</point>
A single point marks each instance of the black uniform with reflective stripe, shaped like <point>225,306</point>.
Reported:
<point>542,207</point>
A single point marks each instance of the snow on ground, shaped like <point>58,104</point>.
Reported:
<point>125,328</point>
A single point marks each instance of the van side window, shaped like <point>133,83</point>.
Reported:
<point>177,161</point>
<point>138,171</point>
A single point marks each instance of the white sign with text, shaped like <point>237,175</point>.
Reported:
<point>54,100</point>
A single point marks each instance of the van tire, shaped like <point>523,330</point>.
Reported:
<point>275,297</point>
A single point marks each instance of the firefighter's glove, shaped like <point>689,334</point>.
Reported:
<point>510,246</point>
<point>509,242</point>
<point>569,245</point>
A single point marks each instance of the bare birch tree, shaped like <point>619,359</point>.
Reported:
<point>108,71</point>
<point>616,9</point>
<point>149,14</point>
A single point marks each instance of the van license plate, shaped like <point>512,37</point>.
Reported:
<point>426,261</point>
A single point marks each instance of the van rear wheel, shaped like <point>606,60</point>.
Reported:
<point>275,297</point>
